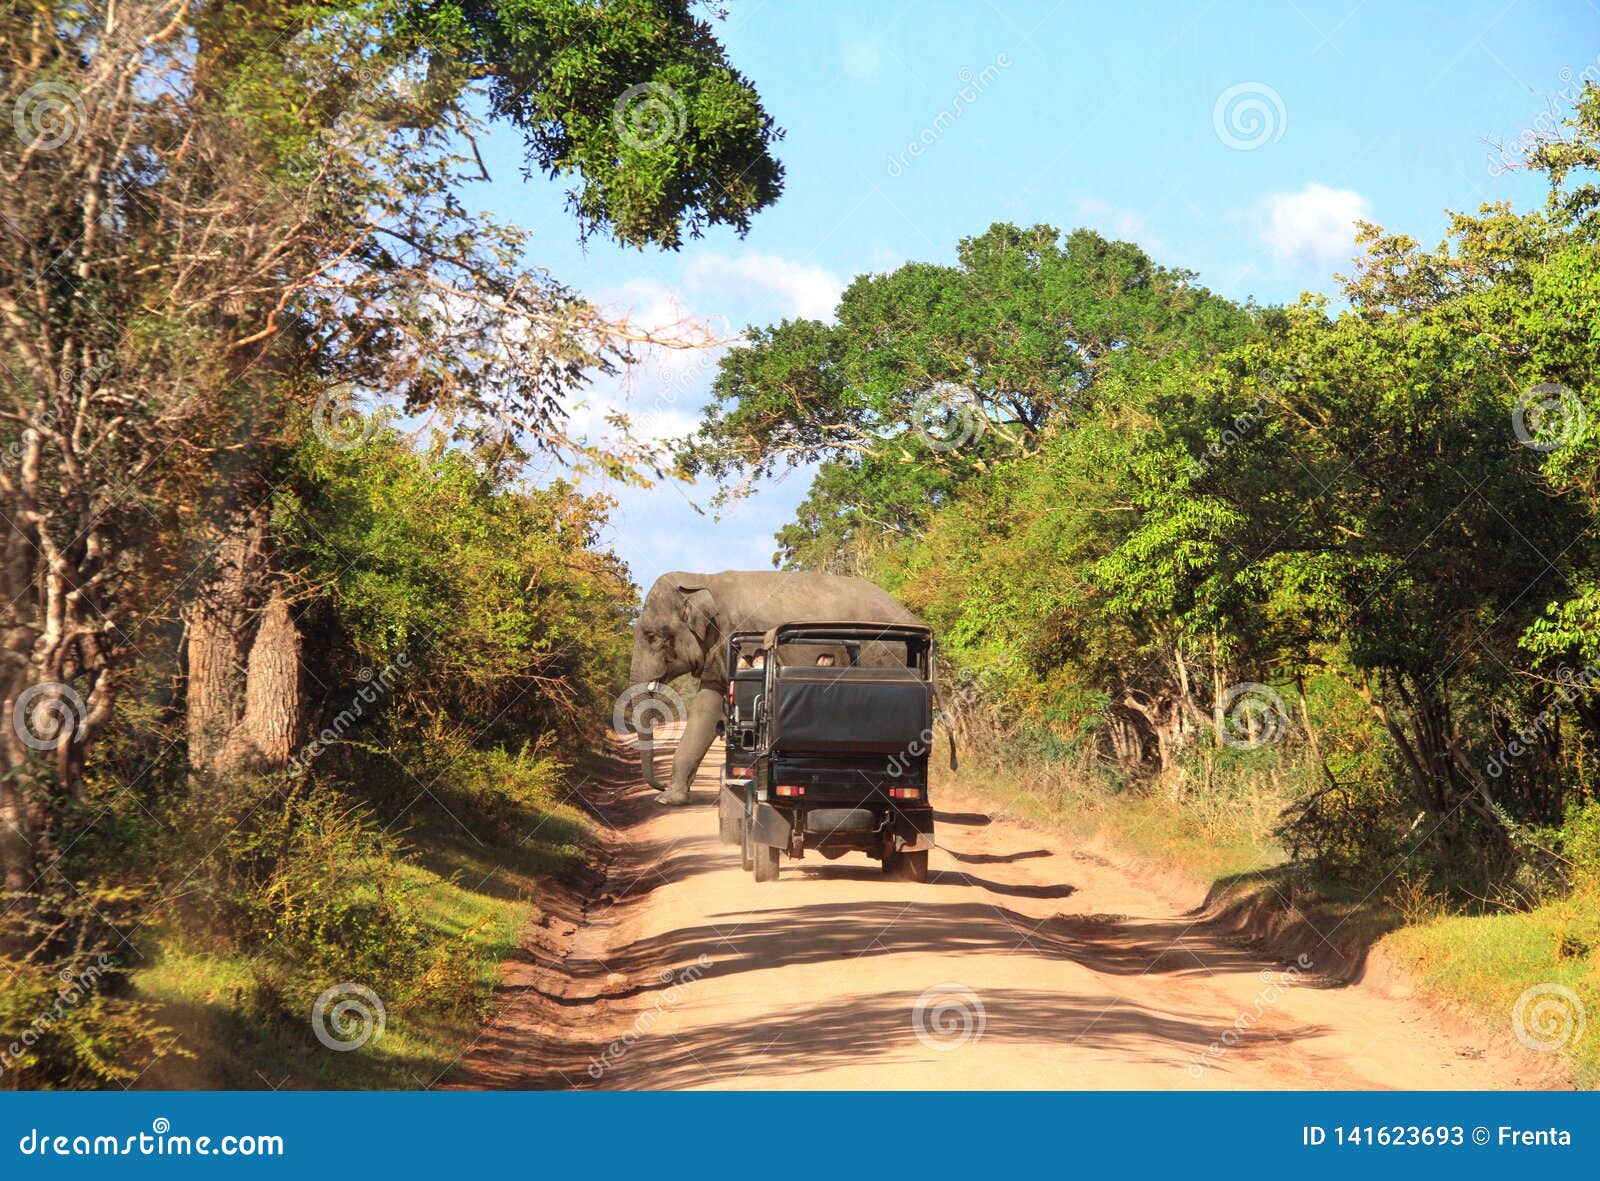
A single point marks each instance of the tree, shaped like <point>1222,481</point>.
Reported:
<point>634,99</point>
<point>230,214</point>
<point>513,629</point>
<point>1409,503</point>
<point>933,372</point>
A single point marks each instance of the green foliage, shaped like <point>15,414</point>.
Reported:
<point>934,373</point>
<point>634,97</point>
<point>462,628</point>
<point>1385,514</point>
<point>633,101</point>
<point>508,618</point>
<point>464,631</point>
<point>66,1019</point>
<point>1580,846</point>
<point>304,880</point>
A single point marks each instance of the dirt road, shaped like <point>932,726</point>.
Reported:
<point>1023,963</point>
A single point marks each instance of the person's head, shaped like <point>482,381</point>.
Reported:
<point>825,660</point>
<point>758,659</point>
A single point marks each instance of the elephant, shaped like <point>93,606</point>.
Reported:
<point>684,627</point>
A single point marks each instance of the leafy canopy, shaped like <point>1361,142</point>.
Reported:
<point>933,373</point>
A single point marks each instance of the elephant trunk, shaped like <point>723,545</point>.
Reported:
<point>647,756</point>
<point>646,680</point>
<point>647,745</point>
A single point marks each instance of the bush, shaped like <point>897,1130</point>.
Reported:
<point>336,906</point>
<point>297,875</point>
<point>490,596</point>
<point>65,1018</point>
<point>1579,840</point>
<point>496,793</point>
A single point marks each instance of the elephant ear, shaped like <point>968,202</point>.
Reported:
<point>699,611</point>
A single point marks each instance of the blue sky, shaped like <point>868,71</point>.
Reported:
<point>1235,140</point>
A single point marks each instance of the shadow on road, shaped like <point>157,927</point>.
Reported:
<point>760,937</point>
<point>963,819</point>
<point>996,858</point>
<point>804,1039</point>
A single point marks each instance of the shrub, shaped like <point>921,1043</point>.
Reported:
<point>65,1018</point>
<point>1580,844</point>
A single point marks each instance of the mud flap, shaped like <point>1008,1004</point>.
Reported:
<point>913,829</point>
<point>770,827</point>
<point>730,809</point>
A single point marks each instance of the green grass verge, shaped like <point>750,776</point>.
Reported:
<point>1501,965</point>
<point>1146,826</point>
<point>1482,962</point>
<point>476,894</point>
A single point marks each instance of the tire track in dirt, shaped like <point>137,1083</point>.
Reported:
<point>1025,962</point>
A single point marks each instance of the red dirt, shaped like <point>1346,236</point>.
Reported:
<point>1024,962</point>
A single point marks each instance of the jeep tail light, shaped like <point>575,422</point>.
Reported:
<point>905,793</point>
<point>789,789</point>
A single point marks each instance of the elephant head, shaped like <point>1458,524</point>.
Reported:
<point>674,630</point>
<point>677,633</point>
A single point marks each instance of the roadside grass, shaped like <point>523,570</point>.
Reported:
<point>1488,962</point>
<point>1149,826</point>
<point>1482,962</point>
<point>474,886</point>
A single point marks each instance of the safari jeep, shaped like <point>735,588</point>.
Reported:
<point>746,665</point>
<point>842,733</point>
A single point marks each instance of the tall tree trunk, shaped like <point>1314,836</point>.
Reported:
<point>16,829</point>
<point>267,733</point>
<point>244,701</point>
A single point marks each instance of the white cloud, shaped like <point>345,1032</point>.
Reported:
<point>1315,224</point>
<point>663,393</point>
<point>659,529</point>
<point>790,288</point>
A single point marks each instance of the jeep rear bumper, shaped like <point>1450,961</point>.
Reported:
<point>887,827</point>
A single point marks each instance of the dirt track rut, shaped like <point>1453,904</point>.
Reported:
<point>1025,962</point>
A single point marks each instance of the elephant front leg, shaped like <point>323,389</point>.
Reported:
<point>698,731</point>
